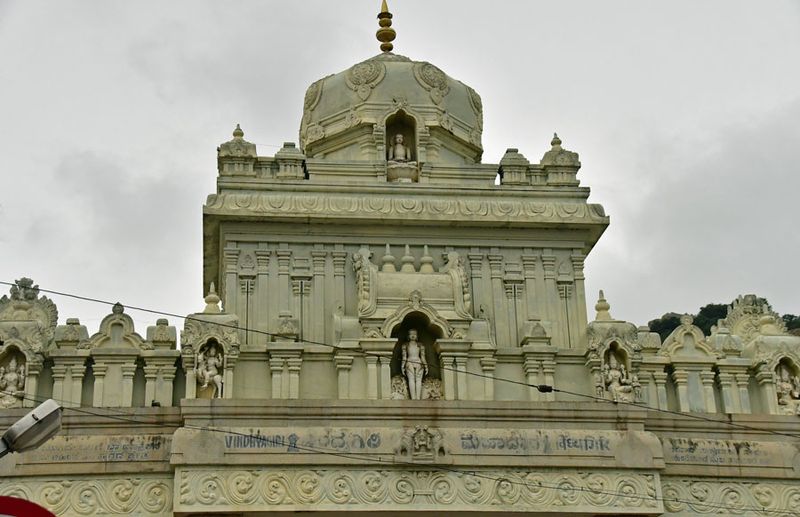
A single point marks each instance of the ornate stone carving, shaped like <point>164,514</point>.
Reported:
<point>305,204</point>
<point>416,304</point>
<point>209,366</point>
<point>26,316</point>
<point>364,76</point>
<point>477,105</point>
<point>237,147</point>
<point>559,156</point>
<point>421,444</point>
<point>745,314</point>
<point>620,386</point>
<point>366,278</point>
<point>413,364</point>
<point>313,133</point>
<point>787,389</point>
<point>12,382</point>
<point>731,497</point>
<point>432,79</point>
<point>455,266</point>
<point>352,119</point>
<point>313,95</point>
<point>524,490</point>
<point>92,495</point>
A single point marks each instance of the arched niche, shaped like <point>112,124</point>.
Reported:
<point>210,366</point>
<point>427,333</point>
<point>13,377</point>
<point>401,123</point>
<point>619,354</point>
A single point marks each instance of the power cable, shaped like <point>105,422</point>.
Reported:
<point>542,388</point>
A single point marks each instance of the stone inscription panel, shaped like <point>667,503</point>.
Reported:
<point>502,442</point>
<point>88,449</point>
<point>730,453</point>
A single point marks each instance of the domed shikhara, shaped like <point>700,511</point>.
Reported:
<point>358,114</point>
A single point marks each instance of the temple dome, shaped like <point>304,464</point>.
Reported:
<point>352,114</point>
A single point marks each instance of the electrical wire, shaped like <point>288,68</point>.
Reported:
<point>542,388</point>
<point>704,506</point>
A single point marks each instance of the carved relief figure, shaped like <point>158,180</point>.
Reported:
<point>398,152</point>
<point>12,384</point>
<point>787,388</point>
<point>209,368</point>
<point>414,365</point>
<point>617,382</point>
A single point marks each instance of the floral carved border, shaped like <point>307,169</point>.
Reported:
<point>123,495</point>
<point>728,497</point>
<point>272,489</point>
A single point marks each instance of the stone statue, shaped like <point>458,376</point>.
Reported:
<point>787,388</point>
<point>617,381</point>
<point>398,152</point>
<point>12,384</point>
<point>209,365</point>
<point>414,365</point>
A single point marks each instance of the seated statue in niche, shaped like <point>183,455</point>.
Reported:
<point>12,384</point>
<point>621,386</point>
<point>787,388</point>
<point>208,368</point>
<point>400,166</point>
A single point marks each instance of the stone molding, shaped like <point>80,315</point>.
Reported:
<point>488,210</point>
<point>729,497</point>
<point>140,495</point>
<point>595,492</point>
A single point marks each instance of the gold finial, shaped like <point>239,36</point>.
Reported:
<point>386,33</point>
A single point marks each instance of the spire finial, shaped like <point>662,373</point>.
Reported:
<point>386,33</point>
<point>602,307</point>
<point>556,141</point>
<point>238,133</point>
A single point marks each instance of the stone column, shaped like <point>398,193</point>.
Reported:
<point>128,371</point>
<point>529,275</point>
<point>766,381</point>
<point>743,386</point>
<point>276,372</point>
<point>231,260</point>
<point>461,376</point>
<point>681,379</point>
<point>151,377</point>
<point>263,313</point>
<point>550,296</point>
<point>100,371</point>
<point>164,386</point>
<point>488,365</point>
<point>227,379</point>
<point>660,380</point>
<point>293,366</point>
<point>579,320</point>
<point>191,374</point>
<point>549,370</point>
<point>31,383</point>
<point>59,373</point>
<point>284,258</point>
<point>448,377</point>
<point>499,300</point>
<point>707,378</point>
<point>318,257</point>
<point>76,391</point>
<point>344,363</point>
<point>730,396</point>
<point>386,375</point>
<point>531,367</point>
<point>476,274</point>
<point>339,261</point>
<point>372,376</point>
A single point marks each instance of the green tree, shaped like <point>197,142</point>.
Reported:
<point>792,321</point>
<point>709,315</point>
<point>665,324</point>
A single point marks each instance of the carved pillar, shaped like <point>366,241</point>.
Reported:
<point>550,295</point>
<point>386,376</point>
<point>743,386</point>
<point>549,370</point>
<point>499,300</point>
<point>59,373</point>
<point>579,321</point>
<point>339,261</point>
<point>230,257</point>
<point>476,274</point>
<point>150,376</point>
<point>318,257</point>
<point>100,371</point>
<point>187,354</point>
<point>301,291</point>
<point>766,381</point>
<point>227,380</point>
<point>344,363</point>
<point>34,368</point>
<point>461,377</point>
<point>284,258</point>
<point>128,371</point>
<point>660,379</point>
<point>488,365</point>
<point>681,379</point>
<point>529,274</point>
<point>730,395</point>
<point>372,376</point>
<point>164,384</point>
<point>448,377</point>
<point>531,367</point>
<point>263,313</point>
<point>707,378</point>
<point>276,372</point>
<point>293,367</point>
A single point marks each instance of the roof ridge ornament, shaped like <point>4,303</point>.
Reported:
<point>385,34</point>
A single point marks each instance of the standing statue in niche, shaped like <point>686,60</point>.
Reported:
<point>617,382</point>
<point>12,384</point>
<point>414,365</point>
<point>398,152</point>
<point>209,365</point>
<point>787,388</point>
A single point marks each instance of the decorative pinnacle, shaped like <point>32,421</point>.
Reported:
<point>212,300</point>
<point>602,307</point>
<point>238,133</point>
<point>385,34</point>
<point>555,141</point>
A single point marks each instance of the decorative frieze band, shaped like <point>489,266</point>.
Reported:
<point>729,497</point>
<point>287,489</point>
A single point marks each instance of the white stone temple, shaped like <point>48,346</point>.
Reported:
<point>386,317</point>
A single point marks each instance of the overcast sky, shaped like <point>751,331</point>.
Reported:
<point>686,116</point>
